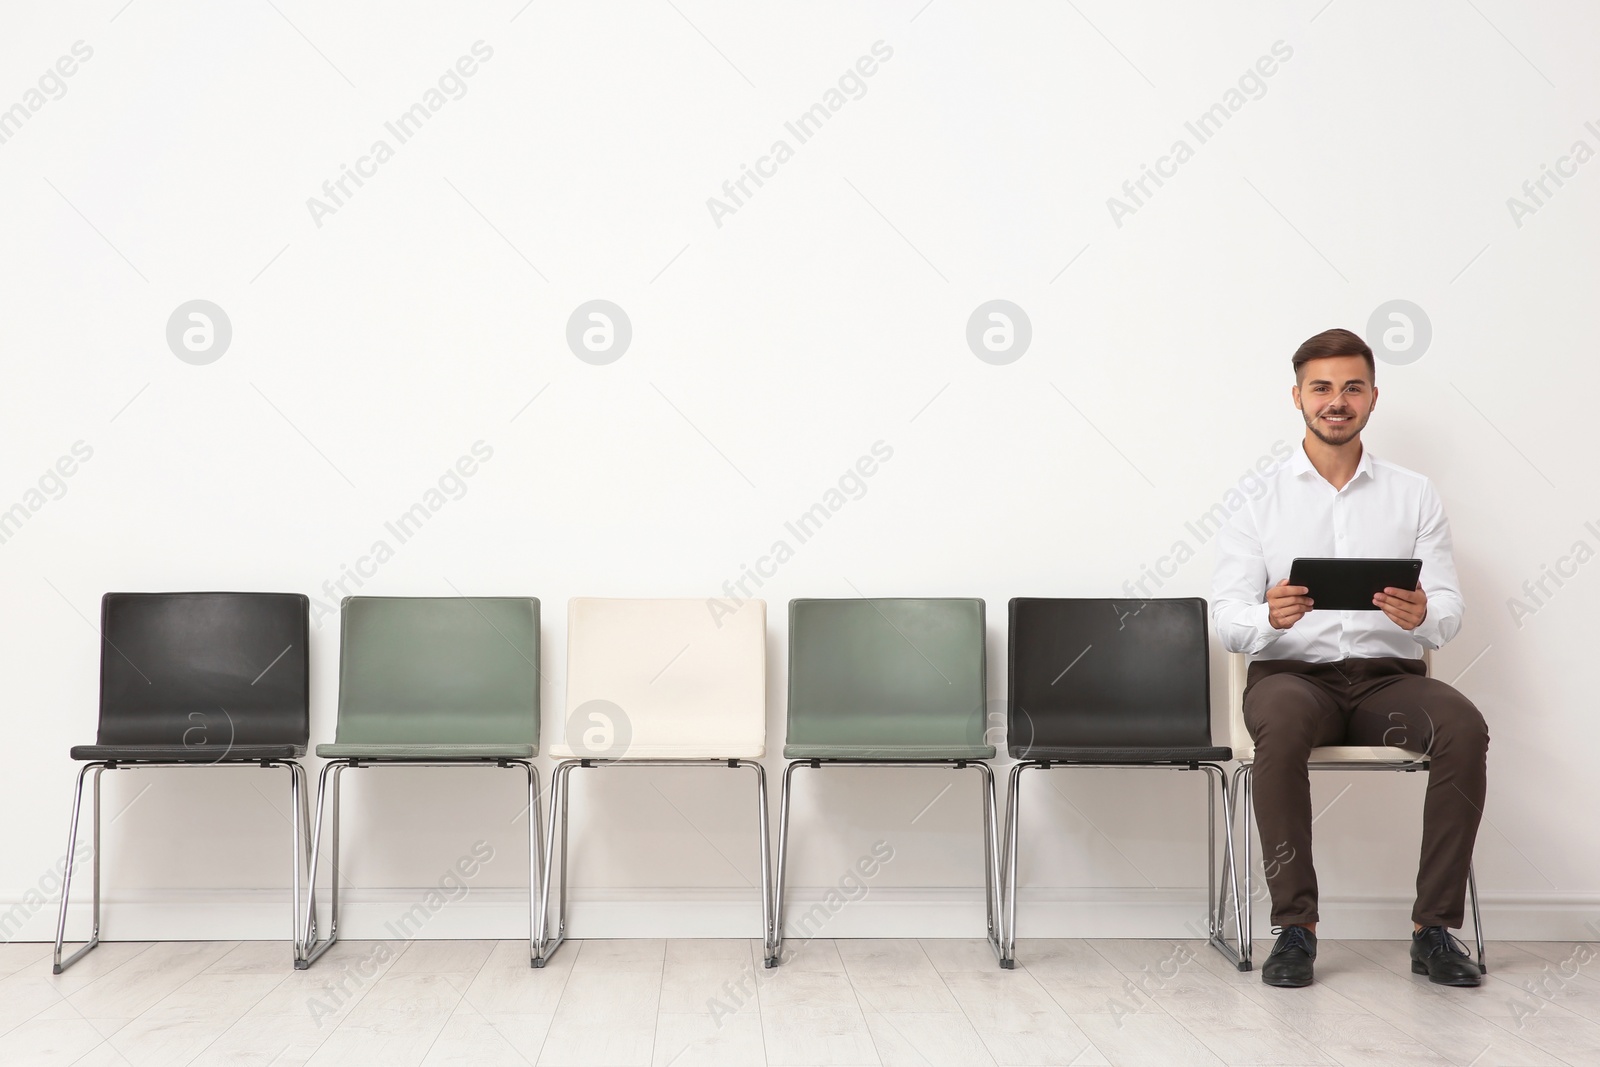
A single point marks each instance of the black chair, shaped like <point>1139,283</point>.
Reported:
<point>197,680</point>
<point>1115,683</point>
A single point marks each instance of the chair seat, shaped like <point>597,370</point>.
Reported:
<point>743,750</point>
<point>888,753</point>
<point>187,753</point>
<point>1132,755</point>
<point>1365,754</point>
<point>425,751</point>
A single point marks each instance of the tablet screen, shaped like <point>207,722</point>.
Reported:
<point>1350,584</point>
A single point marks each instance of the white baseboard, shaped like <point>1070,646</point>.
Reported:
<point>207,915</point>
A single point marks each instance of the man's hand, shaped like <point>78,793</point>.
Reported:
<point>1406,607</point>
<point>1286,603</point>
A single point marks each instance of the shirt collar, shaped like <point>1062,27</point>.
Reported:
<point>1300,463</point>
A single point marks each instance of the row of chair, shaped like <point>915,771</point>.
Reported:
<point>205,679</point>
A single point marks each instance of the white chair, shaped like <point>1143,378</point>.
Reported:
<point>1327,758</point>
<point>659,683</point>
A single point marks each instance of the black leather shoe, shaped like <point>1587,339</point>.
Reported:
<point>1289,963</point>
<point>1443,958</point>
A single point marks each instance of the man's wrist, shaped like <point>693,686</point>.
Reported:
<point>1264,626</point>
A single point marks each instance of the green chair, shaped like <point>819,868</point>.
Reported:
<point>432,682</point>
<point>888,683</point>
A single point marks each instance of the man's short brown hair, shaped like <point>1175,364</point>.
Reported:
<point>1334,343</point>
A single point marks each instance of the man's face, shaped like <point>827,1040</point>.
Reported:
<point>1336,396</point>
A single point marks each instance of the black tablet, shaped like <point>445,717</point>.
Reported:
<point>1350,584</point>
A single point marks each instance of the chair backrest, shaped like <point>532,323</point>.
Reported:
<point>907,672</point>
<point>439,670</point>
<point>1244,746</point>
<point>204,668</point>
<point>1108,673</point>
<point>682,680</point>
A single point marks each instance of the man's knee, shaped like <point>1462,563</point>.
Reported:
<point>1281,711</point>
<point>1457,723</point>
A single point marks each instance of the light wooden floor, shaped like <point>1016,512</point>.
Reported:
<point>683,1003</point>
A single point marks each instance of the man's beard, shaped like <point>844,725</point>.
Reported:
<point>1354,428</point>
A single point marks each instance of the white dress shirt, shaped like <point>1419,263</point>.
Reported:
<point>1384,511</point>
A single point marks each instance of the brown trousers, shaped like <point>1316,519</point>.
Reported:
<point>1291,707</point>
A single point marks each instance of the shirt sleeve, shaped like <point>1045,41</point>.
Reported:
<point>1239,587</point>
<point>1438,580</point>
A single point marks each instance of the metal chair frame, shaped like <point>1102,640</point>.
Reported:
<point>312,949</point>
<point>1216,892</point>
<point>299,820</point>
<point>559,792</point>
<point>991,844</point>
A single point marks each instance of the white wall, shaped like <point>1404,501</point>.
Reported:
<point>769,352</point>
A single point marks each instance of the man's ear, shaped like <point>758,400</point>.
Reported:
<point>1374,405</point>
<point>1295,393</point>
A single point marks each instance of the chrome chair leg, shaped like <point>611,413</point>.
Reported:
<point>566,810</point>
<point>332,770</point>
<point>1013,812</point>
<point>1247,814</point>
<point>1230,804</point>
<point>766,860</point>
<point>1232,874</point>
<point>298,835</point>
<point>1220,895</point>
<point>991,864</point>
<point>783,857</point>
<point>58,964</point>
<point>337,854</point>
<point>535,867</point>
<point>559,787</point>
<point>1477,918</point>
<point>541,936</point>
<point>1212,921</point>
<point>309,934</point>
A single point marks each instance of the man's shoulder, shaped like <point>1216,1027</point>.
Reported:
<point>1388,469</point>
